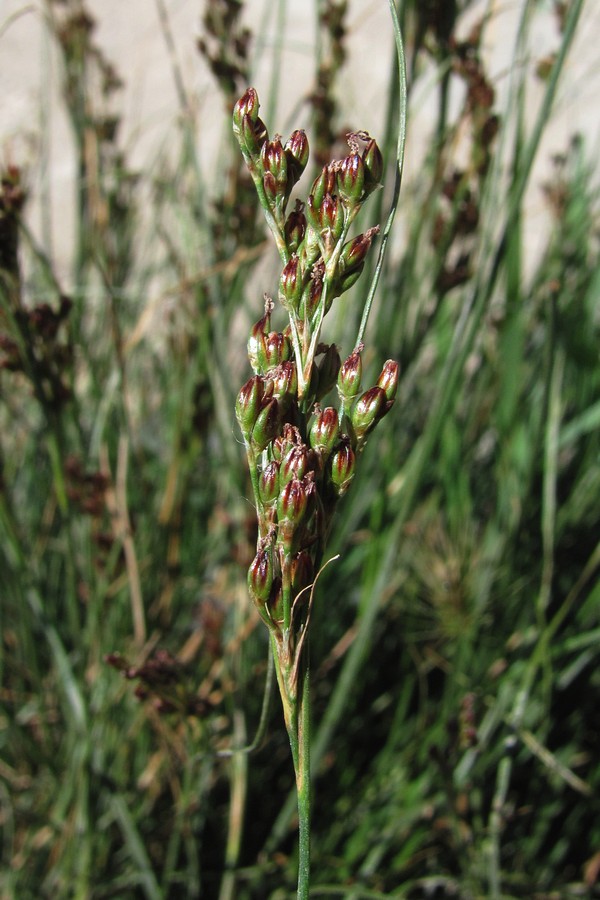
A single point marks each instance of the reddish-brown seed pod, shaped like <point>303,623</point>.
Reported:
<point>260,576</point>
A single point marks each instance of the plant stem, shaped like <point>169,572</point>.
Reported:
<point>303,779</point>
<point>295,696</point>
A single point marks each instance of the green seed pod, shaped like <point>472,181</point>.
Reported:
<point>332,221</point>
<point>268,483</point>
<point>252,136</point>
<point>350,179</point>
<point>266,425</point>
<point>388,380</point>
<point>354,252</point>
<point>313,215</point>
<point>272,191</point>
<point>309,250</point>
<point>248,404</point>
<point>343,283</point>
<point>373,162</point>
<point>274,350</point>
<point>324,431</point>
<point>274,160</point>
<point>292,501</point>
<point>291,284</point>
<point>285,382</point>
<point>294,464</point>
<point>247,105</point>
<point>256,343</point>
<point>350,377</point>
<point>368,410</point>
<point>323,184</point>
<point>342,467</point>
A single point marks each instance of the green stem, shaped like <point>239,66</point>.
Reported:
<point>303,780</point>
<point>295,697</point>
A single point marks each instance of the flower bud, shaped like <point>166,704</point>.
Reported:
<point>324,431</point>
<point>342,468</point>
<point>388,380</point>
<point>294,463</point>
<point>260,576</point>
<point>350,377</point>
<point>373,162</point>
<point>368,410</point>
<point>248,404</point>
<point>268,483</point>
<point>350,179</point>
<point>266,425</point>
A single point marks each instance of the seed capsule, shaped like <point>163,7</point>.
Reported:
<point>342,468</point>
<point>291,504</point>
<point>373,162</point>
<point>295,227</point>
<point>350,179</point>
<point>260,576</point>
<point>354,252</point>
<point>274,160</point>
<point>291,283</point>
<point>247,105</point>
<point>268,483</point>
<point>368,410</point>
<point>266,425</point>
<point>324,431</point>
<point>285,382</point>
<point>297,153</point>
<point>350,377</point>
<point>248,404</point>
<point>294,464</point>
<point>388,379</point>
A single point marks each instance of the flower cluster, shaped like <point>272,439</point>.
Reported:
<point>302,455</point>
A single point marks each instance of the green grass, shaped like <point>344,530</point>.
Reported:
<point>455,641</point>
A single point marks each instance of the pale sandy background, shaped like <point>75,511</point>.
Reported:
<point>129,33</point>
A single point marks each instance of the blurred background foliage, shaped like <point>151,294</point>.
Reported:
<point>456,639</point>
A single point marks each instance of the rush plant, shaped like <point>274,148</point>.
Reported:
<point>304,414</point>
